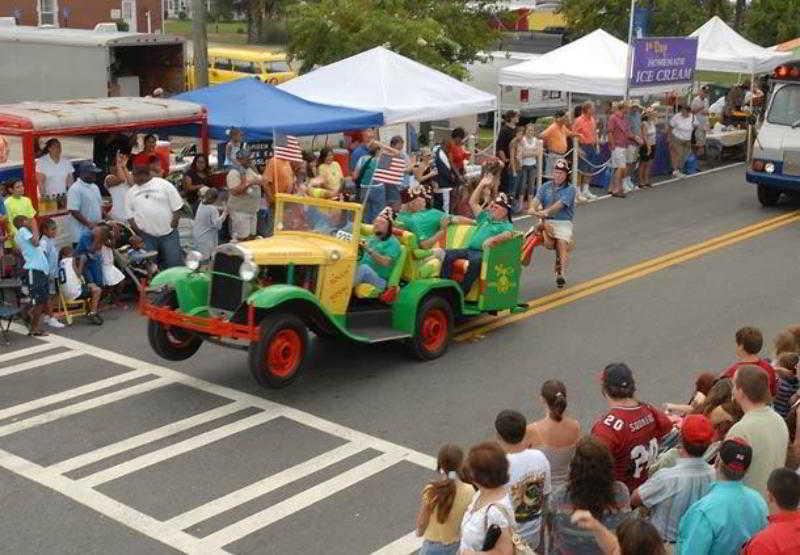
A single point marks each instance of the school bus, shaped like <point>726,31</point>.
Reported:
<point>228,63</point>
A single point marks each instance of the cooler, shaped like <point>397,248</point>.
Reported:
<point>342,155</point>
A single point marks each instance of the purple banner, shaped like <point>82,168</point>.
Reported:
<point>663,61</point>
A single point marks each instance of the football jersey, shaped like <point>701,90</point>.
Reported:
<point>632,434</point>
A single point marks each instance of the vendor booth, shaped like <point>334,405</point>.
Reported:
<point>720,48</point>
<point>401,89</point>
<point>259,109</point>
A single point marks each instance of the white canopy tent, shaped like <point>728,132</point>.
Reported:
<point>720,48</point>
<point>594,64</point>
<point>383,81</point>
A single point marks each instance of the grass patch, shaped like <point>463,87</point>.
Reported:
<point>720,77</point>
<point>234,32</point>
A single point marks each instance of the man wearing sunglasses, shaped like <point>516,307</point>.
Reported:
<point>555,206</point>
<point>493,226</point>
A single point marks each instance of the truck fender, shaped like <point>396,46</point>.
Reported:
<point>404,309</point>
<point>299,302</point>
<point>169,277</point>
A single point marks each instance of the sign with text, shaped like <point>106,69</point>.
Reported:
<point>663,61</point>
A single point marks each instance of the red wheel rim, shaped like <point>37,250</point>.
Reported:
<point>284,353</point>
<point>434,330</point>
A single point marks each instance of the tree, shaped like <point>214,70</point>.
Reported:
<point>772,21</point>
<point>738,17</point>
<point>443,34</point>
<point>668,18</point>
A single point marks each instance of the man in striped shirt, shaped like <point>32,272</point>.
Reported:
<point>668,493</point>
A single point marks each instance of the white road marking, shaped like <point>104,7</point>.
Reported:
<point>28,364</point>
<point>71,393</point>
<point>298,502</point>
<point>409,543</point>
<point>46,417</point>
<point>106,506</point>
<point>19,353</point>
<point>142,439</point>
<point>262,487</point>
<point>195,442</point>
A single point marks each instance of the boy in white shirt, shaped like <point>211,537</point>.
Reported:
<point>75,288</point>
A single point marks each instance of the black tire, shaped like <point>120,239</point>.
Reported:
<point>768,196</point>
<point>277,357</point>
<point>434,328</point>
<point>171,343</point>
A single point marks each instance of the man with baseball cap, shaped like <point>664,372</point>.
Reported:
<point>668,493</point>
<point>244,196</point>
<point>630,429</point>
<point>730,513</point>
<point>493,226</point>
<point>84,203</point>
<point>555,206</point>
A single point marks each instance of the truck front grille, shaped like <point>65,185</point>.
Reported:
<point>226,287</point>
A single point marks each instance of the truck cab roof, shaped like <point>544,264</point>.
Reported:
<point>81,37</point>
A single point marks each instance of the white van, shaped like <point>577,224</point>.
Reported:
<point>775,165</point>
<point>530,103</point>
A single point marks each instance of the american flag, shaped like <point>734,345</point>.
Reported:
<point>287,147</point>
<point>390,170</point>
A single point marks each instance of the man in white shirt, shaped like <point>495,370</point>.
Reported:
<point>244,197</point>
<point>529,476</point>
<point>153,207</point>
<point>84,203</point>
<point>680,138</point>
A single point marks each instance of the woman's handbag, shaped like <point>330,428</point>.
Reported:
<point>493,533</point>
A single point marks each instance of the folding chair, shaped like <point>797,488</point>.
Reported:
<point>8,310</point>
<point>69,309</point>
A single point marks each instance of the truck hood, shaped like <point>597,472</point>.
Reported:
<point>295,249</point>
<point>774,140</point>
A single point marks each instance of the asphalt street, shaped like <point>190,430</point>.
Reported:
<point>104,448</point>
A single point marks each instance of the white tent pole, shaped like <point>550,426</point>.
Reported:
<point>496,126</point>
<point>630,52</point>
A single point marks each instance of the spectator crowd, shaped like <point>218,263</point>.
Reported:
<point>716,475</point>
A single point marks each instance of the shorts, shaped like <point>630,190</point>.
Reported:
<point>85,293</point>
<point>243,225</point>
<point>632,154</point>
<point>618,157</point>
<point>588,154</point>
<point>644,155</point>
<point>560,229</point>
<point>38,287</point>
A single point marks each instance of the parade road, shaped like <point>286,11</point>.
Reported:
<point>104,448</point>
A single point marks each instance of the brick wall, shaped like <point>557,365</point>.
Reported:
<point>83,14</point>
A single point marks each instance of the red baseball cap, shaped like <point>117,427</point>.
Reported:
<point>697,429</point>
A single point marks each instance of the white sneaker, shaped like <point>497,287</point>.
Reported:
<point>589,195</point>
<point>677,174</point>
<point>53,322</point>
<point>580,199</point>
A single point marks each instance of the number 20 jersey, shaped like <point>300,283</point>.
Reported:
<point>632,434</point>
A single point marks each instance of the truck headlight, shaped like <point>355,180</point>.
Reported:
<point>769,167</point>
<point>248,271</point>
<point>335,256</point>
<point>193,259</point>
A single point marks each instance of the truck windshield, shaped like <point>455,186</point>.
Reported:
<point>785,106</point>
<point>323,220</point>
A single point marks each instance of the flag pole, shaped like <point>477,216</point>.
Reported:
<point>630,52</point>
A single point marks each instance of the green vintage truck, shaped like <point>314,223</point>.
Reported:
<point>264,296</point>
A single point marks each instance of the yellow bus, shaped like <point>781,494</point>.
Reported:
<point>229,63</point>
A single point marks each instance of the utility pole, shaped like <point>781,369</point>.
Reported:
<point>200,43</point>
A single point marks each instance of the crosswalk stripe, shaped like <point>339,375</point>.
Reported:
<point>149,459</point>
<point>298,502</point>
<point>44,361</point>
<point>46,417</point>
<point>70,393</point>
<point>19,353</point>
<point>262,487</point>
<point>409,543</point>
<point>144,438</point>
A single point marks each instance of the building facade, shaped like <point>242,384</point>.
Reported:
<point>142,16</point>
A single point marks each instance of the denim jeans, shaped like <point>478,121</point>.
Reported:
<point>527,182</point>
<point>373,197</point>
<point>168,248</point>
<point>264,222</point>
<point>473,270</point>
<point>438,548</point>
<point>366,274</point>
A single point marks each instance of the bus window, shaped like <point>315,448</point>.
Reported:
<point>224,64</point>
<point>278,66</point>
<point>243,66</point>
<point>785,107</point>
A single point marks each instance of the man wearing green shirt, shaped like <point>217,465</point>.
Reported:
<point>720,522</point>
<point>493,227</point>
<point>425,223</point>
<point>380,252</point>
